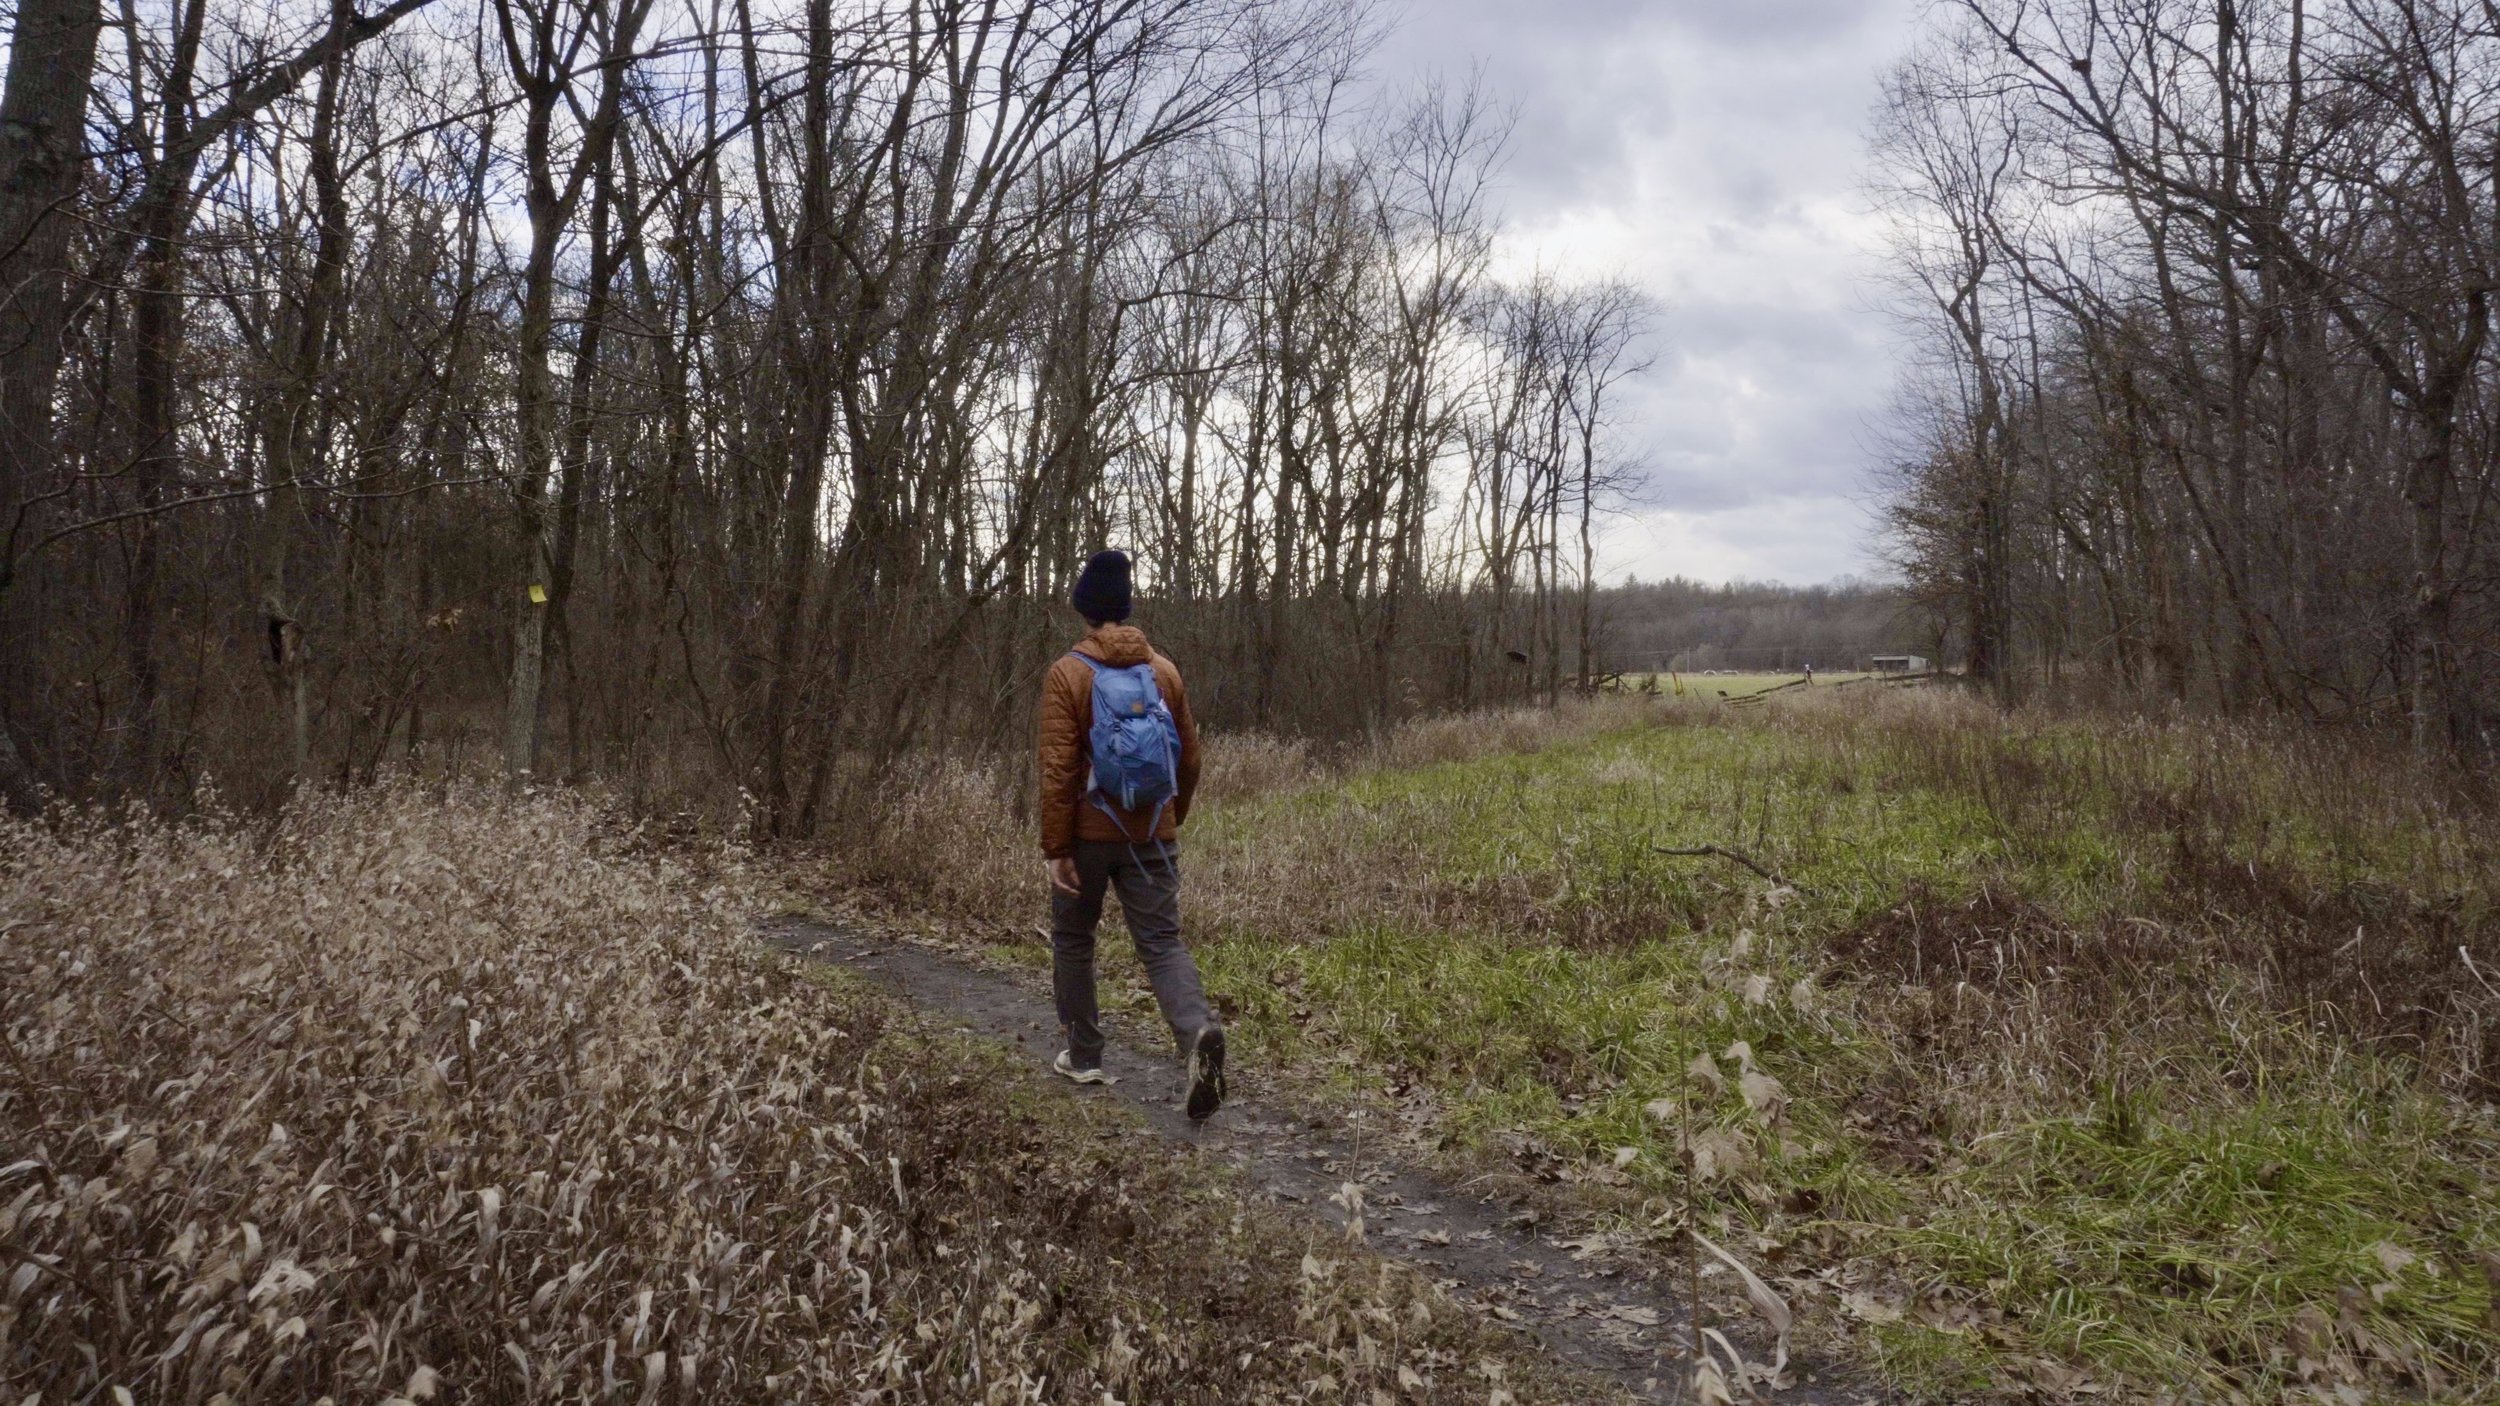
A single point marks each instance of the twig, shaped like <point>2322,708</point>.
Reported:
<point>1692,1210</point>
<point>2478,971</point>
<point>1723,852</point>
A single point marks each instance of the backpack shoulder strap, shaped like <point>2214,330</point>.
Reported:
<point>1154,679</point>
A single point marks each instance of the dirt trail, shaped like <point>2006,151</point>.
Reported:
<point>1586,1308</point>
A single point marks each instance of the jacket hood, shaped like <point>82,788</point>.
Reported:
<point>1120,646</point>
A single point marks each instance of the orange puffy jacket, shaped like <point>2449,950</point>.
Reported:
<point>1068,814</point>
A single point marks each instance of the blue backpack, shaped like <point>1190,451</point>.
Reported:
<point>1136,745</point>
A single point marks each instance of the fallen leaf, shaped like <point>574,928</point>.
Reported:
<point>1705,1071</point>
<point>2059,1379</point>
<point>1764,1094</point>
<point>1945,1316</point>
<point>1716,1153</point>
<point>2310,1342</point>
<point>2348,1317</point>
<point>1771,1306</point>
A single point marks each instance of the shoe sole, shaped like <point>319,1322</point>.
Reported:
<point>1206,1076</point>
<point>1080,1076</point>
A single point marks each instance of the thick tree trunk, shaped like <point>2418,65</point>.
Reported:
<point>606,259</point>
<point>42,155</point>
<point>2432,623</point>
<point>292,438</point>
<point>546,78</point>
<point>156,326</point>
<point>537,408</point>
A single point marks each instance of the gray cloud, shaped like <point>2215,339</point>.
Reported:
<point>1711,150</point>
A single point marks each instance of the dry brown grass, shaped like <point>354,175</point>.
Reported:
<point>408,1095</point>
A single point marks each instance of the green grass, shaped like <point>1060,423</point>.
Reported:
<point>2149,1168</point>
<point>2209,1233</point>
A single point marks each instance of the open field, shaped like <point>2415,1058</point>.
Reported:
<point>2043,1056</point>
<point>2065,1055</point>
<point>1709,686</point>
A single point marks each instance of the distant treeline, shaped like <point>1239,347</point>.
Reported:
<point>1755,625</point>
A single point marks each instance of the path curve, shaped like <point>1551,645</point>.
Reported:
<point>1589,1313</point>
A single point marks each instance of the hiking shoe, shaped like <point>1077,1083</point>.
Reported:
<point>1067,1069</point>
<point>1206,1075</point>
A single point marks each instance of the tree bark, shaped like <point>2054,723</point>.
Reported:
<point>292,437</point>
<point>543,64</point>
<point>42,157</point>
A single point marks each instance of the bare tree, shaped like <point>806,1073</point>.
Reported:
<point>2241,263</point>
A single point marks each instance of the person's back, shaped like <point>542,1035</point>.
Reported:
<point>1069,812</point>
<point>1092,841</point>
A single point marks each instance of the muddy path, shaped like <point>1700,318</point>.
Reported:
<point>1591,1309</point>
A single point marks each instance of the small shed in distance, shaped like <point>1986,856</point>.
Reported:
<point>1900,663</point>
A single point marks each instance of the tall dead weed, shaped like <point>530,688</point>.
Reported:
<point>417,1095</point>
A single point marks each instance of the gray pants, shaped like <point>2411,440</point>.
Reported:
<point>1148,879</point>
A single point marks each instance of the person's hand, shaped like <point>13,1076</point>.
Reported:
<point>1062,874</point>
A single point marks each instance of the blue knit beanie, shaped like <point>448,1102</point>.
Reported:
<point>1101,593</point>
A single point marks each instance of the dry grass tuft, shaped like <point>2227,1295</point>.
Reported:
<point>412,1095</point>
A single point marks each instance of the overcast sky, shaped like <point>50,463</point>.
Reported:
<point>1710,150</point>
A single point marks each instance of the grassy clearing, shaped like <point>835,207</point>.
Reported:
<point>415,1095</point>
<point>2080,1052</point>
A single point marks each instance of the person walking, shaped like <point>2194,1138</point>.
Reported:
<point>1119,763</point>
